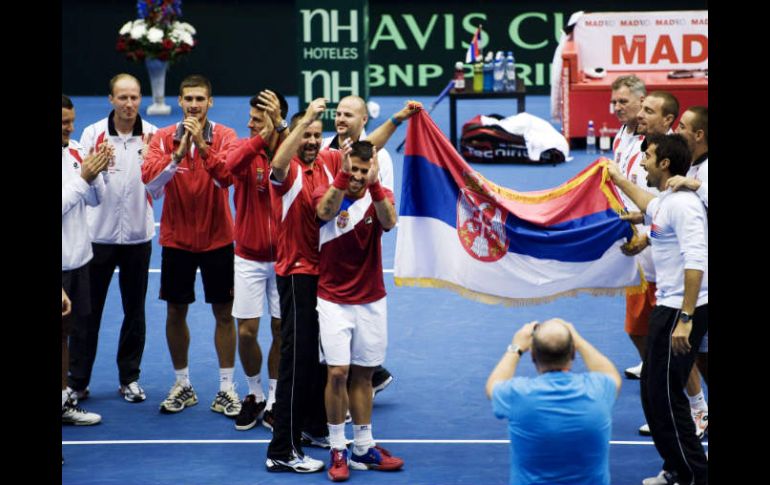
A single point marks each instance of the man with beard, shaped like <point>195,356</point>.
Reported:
<point>122,227</point>
<point>349,122</point>
<point>299,166</point>
<point>255,251</point>
<point>186,162</point>
<point>679,320</point>
<point>352,306</point>
<point>81,185</point>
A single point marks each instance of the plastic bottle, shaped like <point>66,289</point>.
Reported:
<point>510,72</point>
<point>499,72</point>
<point>459,77</point>
<point>604,139</point>
<point>488,73</point>
<point>591,138</point>
<point>478,76</point>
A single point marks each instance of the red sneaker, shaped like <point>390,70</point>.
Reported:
<point>376,458</point>
<point>338,467</point>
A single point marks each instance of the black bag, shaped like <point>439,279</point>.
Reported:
<point>481,143</point>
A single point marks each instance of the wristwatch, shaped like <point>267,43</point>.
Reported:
<point>281,126</point>
<point>515,348</point>
<point>685,317</point>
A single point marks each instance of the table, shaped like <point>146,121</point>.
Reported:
<point>519,95</point>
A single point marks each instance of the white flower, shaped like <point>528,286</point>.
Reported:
<point>126,28</point>
<point>187,38</point>
<point>155,35</point>
<point>138,30</point>
<point>189,28</point>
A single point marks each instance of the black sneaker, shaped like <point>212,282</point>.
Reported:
<point>251,411</point>
<point>381,379</point>
<point>308,439</point>
<point>267,419</point>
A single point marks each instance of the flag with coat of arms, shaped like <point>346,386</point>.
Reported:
<point>461,231</point>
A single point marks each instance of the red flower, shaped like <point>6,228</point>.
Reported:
<point>168,44</point>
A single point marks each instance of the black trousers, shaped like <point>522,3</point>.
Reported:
<point>299,395</point>
<point>134,263</point>
<point>667,409</point>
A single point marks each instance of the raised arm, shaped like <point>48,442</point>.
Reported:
<point>282,158</point>
<point>83,188</point>
<point>330,203</point>
<point>386,211</point>
<point>638,196</point>
<point>506,367</point>
<point>269,103</point>
<point>161,162</point>
<point>382,134</point>
<point>216,155</point>
<point>595,361</point>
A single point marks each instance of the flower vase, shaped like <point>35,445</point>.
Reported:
<point>157,71</point>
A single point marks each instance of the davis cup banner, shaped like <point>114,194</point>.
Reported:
<point>460,231</point>
<point>643,41</point>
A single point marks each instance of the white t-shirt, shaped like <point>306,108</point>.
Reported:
<point>701,172</point>
<point>628,156</point>
<point>679,241</point>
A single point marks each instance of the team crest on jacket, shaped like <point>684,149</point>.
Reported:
<point>342,219</point>
<point>481,226</point>
<point>260,178</point>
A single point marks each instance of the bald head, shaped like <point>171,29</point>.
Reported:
<point>350,117</point>
<point>552,346</point>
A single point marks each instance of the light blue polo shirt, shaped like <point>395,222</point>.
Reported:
<point>559,425</point>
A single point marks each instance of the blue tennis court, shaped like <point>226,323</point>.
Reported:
<point>441,349</point>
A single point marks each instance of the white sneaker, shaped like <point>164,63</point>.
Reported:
<point>179,397</point>
<point>72,414</point>
<point>663,478</point>
<point>701,420</point>
<point>228,403</point>
<point>634,372</point>
<point>133,392</point>
<point>644,430</point>
<point>78,396</point>
<point>297,464</point>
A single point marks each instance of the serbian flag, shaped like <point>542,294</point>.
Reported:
<point>458,230</point>
<point>474,52</point>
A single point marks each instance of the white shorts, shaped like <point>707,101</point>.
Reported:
<point>252,278</point>
<point>353,334</point>
<point>704,344</point>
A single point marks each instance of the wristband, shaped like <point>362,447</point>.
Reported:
<point>341,181</point>
<point>394,120</point>
<point>377,192</point>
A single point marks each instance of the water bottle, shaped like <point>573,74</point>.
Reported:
<point>488,74</point>
<point>499,72</point>
<point>591,138</point>
<point>604,139</point>
<point>459,77</point>
<point>478,76</point>
<point>510,72</point>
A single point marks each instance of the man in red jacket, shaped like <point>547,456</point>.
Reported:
<point>255,251</point>
<point>186,163</point>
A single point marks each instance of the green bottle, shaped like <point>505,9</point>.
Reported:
<point>478,76</point>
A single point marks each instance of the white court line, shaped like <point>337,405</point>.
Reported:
<point>216,442</point>
<point>153,270</point>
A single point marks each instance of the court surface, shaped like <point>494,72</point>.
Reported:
<point>442,347</point>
